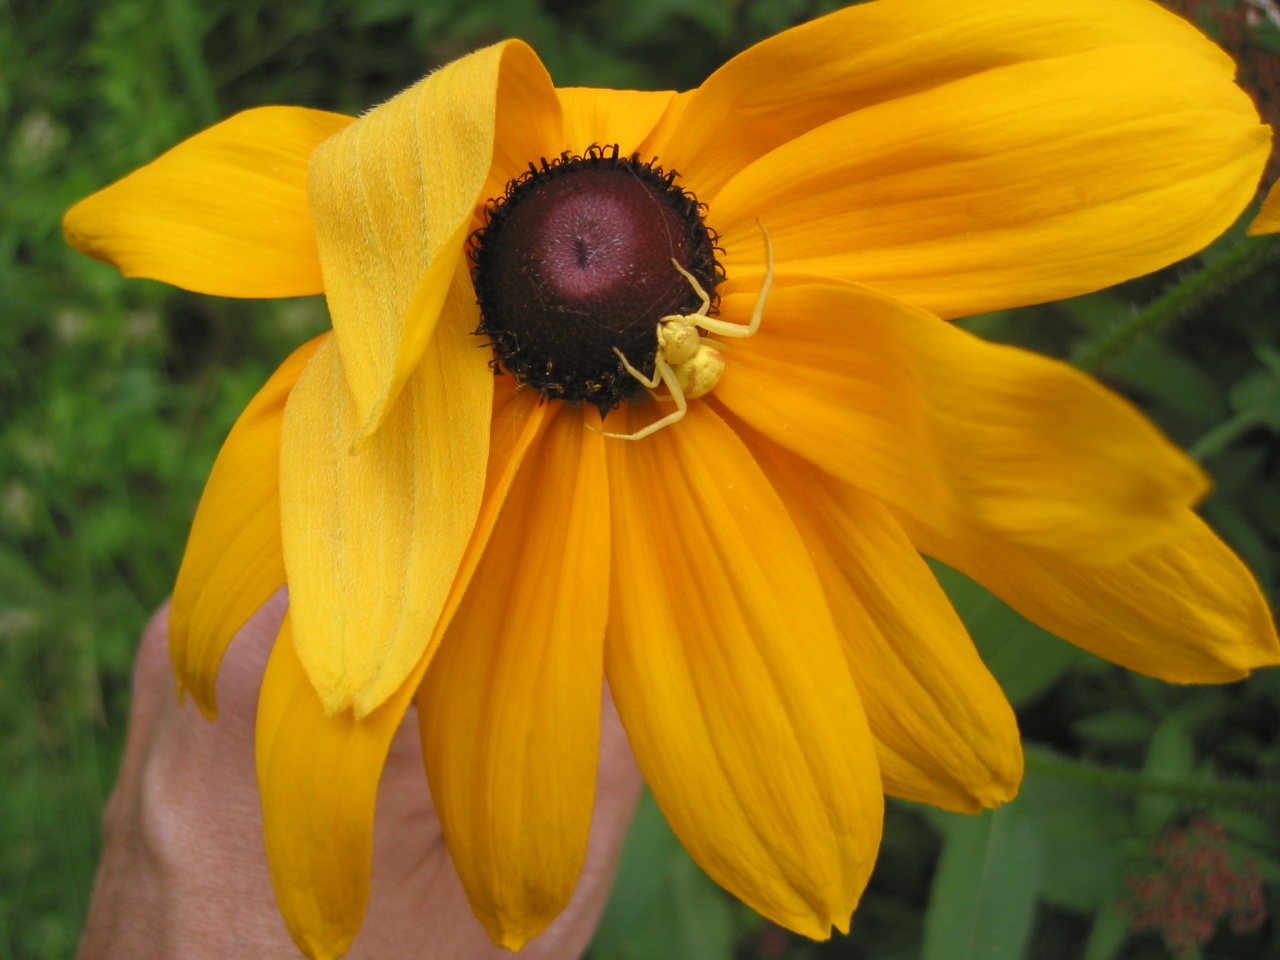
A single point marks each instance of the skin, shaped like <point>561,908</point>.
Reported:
<point>183,872</point>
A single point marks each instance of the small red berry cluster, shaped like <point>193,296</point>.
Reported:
<point>1190,885</point>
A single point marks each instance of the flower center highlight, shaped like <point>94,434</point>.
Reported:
<point>574,267</point>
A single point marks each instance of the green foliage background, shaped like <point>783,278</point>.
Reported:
<point>114,396</point>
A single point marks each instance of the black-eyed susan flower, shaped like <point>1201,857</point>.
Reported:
<point>748,578</point>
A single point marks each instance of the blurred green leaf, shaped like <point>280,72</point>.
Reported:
<point>1171,755</point>
<point>1159,373</point>
<point>1255,402</point>
<point>663,907</point>
<point>1107,935</point>
<point>1080,829</point>
<point>983,900</point>
<point>1024,658</point>
<point>1115,728</point>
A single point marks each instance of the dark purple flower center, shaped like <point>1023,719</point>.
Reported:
<point>575,260</point>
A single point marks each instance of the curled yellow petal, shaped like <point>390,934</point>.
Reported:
<point>728,675</point>
<point>373,534</point>
<point>956,431</point>
<point>393,199</point>
<point>223,213</point>
<point>233,562</point>
<point>1186,611</point>
<point>510,707</point>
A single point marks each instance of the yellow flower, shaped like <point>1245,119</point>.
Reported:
<point>749,579</point>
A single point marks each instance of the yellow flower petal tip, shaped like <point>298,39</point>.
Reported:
<point>1268,218</point>
<point>516,933</point>
<point>223,213</point>
<point>745,564</point>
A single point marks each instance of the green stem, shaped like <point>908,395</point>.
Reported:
<point>1237,264</point>
<point>1194,792</point>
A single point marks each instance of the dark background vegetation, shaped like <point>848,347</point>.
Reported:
<point>114,396</point>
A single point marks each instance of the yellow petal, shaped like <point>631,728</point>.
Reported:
<point>223,213</point>
<point>877,53</point>
<point>1187,611</point>
<point>728,675</point>
<point>1030,182</point>
<point>318,779</point>
<point>393,199</point>
<point>606,117</point>
<point>373,535</point>
<point>510,707</point>
<point>320,838</point>
<point>1268,218</point>
<point>951,429</point>
<point>233,562</point>
<point>945,734</point>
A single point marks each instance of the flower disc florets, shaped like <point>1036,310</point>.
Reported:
<point>576,260</point>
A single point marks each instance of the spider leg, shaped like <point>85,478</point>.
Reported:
<point>697,288</point>
<point>650,383</point>
<point>726,329</point>
<point>677,394</point>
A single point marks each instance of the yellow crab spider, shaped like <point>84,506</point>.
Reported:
<point>688,364</point>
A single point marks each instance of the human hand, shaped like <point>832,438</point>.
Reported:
<point>184,873</point>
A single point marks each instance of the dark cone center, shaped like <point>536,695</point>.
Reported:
<point>575,260</point>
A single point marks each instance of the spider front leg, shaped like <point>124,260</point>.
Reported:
<point>723,327</point>
<point>649,382</point>
<point>697,288</point>
<point>663,372</point>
